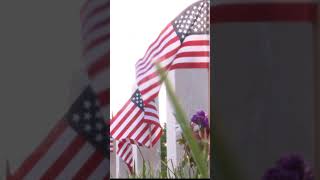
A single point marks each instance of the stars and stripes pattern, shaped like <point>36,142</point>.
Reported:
<point>124,151</point>
<point>135,123</point>
<point>95,24</point>
<point>184,43</point>
<point>77,147</point>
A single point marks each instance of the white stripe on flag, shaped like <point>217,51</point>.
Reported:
<point>153,53</point>
<point>132,126</point>
<point>53,153</point>
<point>148,70</point>
<point>127,120</point>
<point>75,164</point>
<point>135,134</point>
<point>121,116</point>
<point>152,48</point>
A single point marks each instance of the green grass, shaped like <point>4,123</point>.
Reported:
<point>182,119</point>
<point>224,163</point>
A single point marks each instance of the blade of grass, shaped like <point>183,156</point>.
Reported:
<point>165,164</point>
<point>182,120</point>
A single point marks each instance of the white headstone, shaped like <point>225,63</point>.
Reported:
<point>192,89</point>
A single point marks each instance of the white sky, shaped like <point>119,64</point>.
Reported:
<point>134,25</point>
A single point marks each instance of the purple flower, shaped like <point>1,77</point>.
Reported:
<point>291,167</point>
<point>201,119</point>
<point>280,174</point>
<point>293,163</point>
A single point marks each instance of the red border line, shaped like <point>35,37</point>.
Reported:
<point>263,12</point>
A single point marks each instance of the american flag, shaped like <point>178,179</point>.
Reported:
<point>77,147</point>
<point>95,18</point>
<point>135,123</point>
<point>184,43</point>
<point>124,151</point>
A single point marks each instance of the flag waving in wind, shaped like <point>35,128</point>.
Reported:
<point>183,43</point>
<point>78,146</point>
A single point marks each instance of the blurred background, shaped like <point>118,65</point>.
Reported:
<point>39,59</point>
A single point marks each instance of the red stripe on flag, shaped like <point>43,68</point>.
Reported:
<point>84,8</point>
<point>41,150</point>
<point>196,43</point>
<point>193,54</point>
<point>104,97</point>
<point>135,129</point>
<point>151,106</point>
<point>89,166</point>
<point>127,156</point>
<point>95,11</point>
<point>263,12</point>
<point>145,130</point>
<point>155,74</point>
<point>151,114</point>
<point>63,160</point>
<point>125,148</point>
<point>145,68</point>
<point>99,65</point>
<point>144,91</point>
<point>190,65</point>
<point>94,43</point>
<point>101,24</point>
<point>140,61</point>
<point>130,123</point>
<point>120,144</point>
<point>123,119</point>
<point>146,62</point>
<point>157,137</point>
<point>120,112</point>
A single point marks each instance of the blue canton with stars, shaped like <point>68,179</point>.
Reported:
<point>137,99</point>
<point>85,118</point>
<point>193,20</point>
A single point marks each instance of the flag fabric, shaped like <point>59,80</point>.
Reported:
<point>111,145</point>
<point>184,43</point>
<point>124,151</point>
<point>77,147</point>
<point>95,23</point>
<point>135,123</point>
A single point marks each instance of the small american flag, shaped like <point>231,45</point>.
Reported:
<point>184,43</point>
<point>124,151</point>
<point>77,147</point>
<point>135,123</point>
